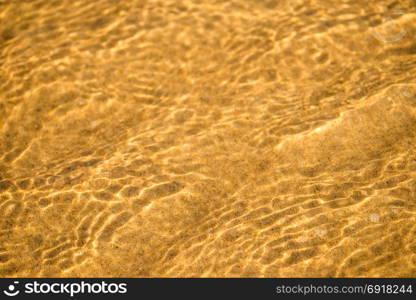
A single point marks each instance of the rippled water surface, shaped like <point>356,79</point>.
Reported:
<point>207,138</point>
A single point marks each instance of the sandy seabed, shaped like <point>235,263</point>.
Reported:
<point>190,138</point>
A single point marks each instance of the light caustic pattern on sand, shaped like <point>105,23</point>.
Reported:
<point>207,138</point>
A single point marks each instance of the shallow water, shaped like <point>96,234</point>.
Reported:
<point>207,138</point>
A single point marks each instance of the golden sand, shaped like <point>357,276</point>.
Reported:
<point>190,138</point>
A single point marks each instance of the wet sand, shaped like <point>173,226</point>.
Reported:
<point>207,138</point>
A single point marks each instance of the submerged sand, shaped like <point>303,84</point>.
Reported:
<point>207,138</point>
